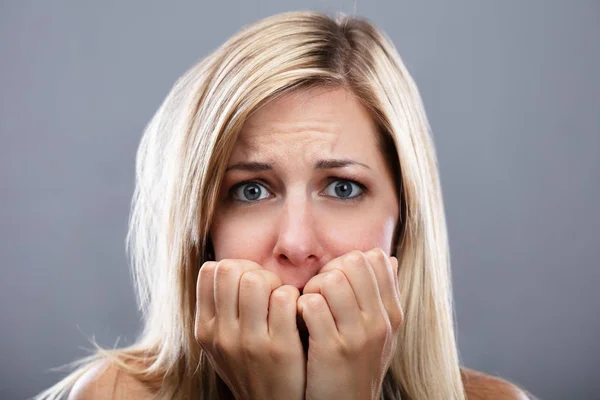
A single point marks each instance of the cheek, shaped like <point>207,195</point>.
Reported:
<point>362,233</point>
<point>240,236</point>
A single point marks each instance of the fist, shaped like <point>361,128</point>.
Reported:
<point>352,311</point>
<point>246,325</point>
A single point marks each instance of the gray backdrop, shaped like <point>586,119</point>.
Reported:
<point>512,92</point>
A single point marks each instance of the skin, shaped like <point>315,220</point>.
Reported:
<point>300,239</point>
<point>303,243</point>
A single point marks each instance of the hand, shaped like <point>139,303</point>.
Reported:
<point>246,324</point>
<point>352,311</point>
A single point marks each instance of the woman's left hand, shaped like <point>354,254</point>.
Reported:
<point>352,312</point>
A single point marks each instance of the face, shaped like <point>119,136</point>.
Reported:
<point>305,183</point>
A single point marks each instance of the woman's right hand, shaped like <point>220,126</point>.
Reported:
<point>246,324</point>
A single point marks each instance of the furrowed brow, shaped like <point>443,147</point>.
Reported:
<point>250,166</point>
<point>320,164</point>
<point>335,163</point>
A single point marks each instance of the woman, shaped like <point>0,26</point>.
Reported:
<point>287,234</point>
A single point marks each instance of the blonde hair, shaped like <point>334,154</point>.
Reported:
<point>181,162</point>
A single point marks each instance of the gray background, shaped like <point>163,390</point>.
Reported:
<point>512,92</point>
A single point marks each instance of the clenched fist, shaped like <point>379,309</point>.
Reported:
<point>352,311</point>
<point>246,324</point>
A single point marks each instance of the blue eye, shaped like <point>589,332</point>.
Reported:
<point>344,189</point>
<point>247,192</point>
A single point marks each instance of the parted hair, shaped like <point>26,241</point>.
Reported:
<point>181,162</point>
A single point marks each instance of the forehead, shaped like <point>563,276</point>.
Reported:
<point>332,118</point>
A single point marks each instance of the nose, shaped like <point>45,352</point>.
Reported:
<point>297,243</point>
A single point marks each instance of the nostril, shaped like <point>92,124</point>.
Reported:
<point>282,258</point>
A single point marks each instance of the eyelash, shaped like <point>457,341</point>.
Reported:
<point>330,180</point>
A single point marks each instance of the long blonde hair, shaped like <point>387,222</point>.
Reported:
<point>181,162</point>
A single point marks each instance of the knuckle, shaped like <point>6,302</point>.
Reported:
<point>225,269</point>
<point>355,256</point>
<point>251,348</point>
<point>207,269</point>
<point>317,302</point>
<point>355,344</point>
<point>284,294</point>
<point>396,317</point>
<point>334,277</point>
<point>377,255</point>
<point>224,346</point>
<point>201,333</point>
<point>396,323</point>
<point>253,281</point>
<point>278,353</point>
<point>382,331</point>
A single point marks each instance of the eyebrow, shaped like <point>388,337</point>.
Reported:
<point>320,164</point>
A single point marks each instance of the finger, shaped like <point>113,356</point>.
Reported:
<point>282,312</point>
<point>205,295</point>
<point>335,288</point>
<point>394,261</point>
<point>362,279</point>
<point>385,271</point>
<point>316,314</point>
<point>227,275</point>
<point>395,269</point>
<point>254,293</point>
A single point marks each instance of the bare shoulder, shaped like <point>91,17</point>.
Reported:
<point>106,381</point>
<point>481,386</point>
